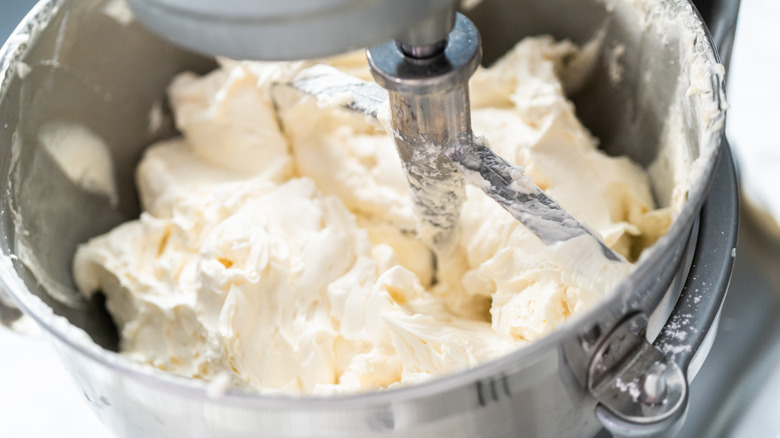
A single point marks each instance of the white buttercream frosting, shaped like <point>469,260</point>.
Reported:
<point>276,245</point>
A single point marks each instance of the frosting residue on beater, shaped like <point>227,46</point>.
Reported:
<point>276,249</point>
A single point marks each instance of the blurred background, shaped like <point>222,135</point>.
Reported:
<point>737,391</point>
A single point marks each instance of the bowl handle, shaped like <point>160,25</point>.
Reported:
<point>642,388</point>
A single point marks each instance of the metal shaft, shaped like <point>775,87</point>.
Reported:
<point>429,101</point>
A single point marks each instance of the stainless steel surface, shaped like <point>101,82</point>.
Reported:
<point>293,29</point>
<point>430,111</point>
<point>427,38</point>
<point>9,19</point>
<point>540,390</point>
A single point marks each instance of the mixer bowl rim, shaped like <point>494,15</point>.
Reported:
<point>521,357</point>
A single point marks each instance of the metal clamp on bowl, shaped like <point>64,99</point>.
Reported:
<point>642,389</point>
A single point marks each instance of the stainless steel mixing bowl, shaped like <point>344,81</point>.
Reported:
<point>82,62</point>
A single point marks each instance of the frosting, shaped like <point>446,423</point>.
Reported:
<point>277,252</point>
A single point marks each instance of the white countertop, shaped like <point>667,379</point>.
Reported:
<point>38,399</point>
<point>754,95</point>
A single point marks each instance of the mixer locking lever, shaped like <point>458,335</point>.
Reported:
<point>642,392</point>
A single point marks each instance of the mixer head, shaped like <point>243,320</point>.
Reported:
<point>295,29</point>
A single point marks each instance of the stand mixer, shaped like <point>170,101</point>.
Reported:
<point>555,387</point>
